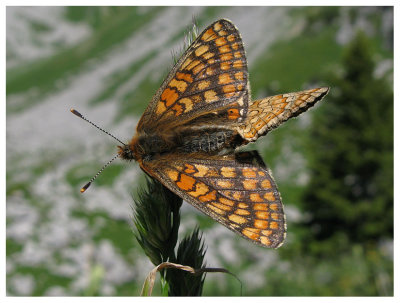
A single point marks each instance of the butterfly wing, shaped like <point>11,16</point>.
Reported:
<point>210,77</point>
<point>268,113</point>
<point>240,194</point>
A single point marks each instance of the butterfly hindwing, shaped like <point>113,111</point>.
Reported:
<point>233,190</point>
<point>268,113</point>
<point>211,76</point>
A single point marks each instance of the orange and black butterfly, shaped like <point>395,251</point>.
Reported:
<point>188,136</point>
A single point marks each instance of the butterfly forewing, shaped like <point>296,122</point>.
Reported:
<point>210,77</point>
<point>268,113</point>
<point>242,196</point>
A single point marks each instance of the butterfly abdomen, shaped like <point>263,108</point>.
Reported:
<point>207,142</point>
<point>212,141</point>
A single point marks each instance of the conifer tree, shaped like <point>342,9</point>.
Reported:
<point>350,194</point>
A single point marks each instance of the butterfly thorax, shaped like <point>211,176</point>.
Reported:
<point>212,140</point>
<point>145,146</point>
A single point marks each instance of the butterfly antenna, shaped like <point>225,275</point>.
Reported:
<point>76,113</point>
<point>84,188</point>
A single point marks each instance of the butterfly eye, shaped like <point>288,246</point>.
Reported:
<point>126,153</point>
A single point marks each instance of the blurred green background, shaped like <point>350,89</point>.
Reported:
<point>333,164</point>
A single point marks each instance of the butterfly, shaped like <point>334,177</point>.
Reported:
<point>188,136</point>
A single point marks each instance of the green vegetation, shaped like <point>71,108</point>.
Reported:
<point>157,219</point>
<point>43,75</point>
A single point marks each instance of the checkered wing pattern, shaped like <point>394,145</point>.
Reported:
<point>211,79</point>
<point>268,113</point>
<point>240,195</point>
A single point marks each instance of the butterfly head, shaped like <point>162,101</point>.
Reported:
<point>130,151</point>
